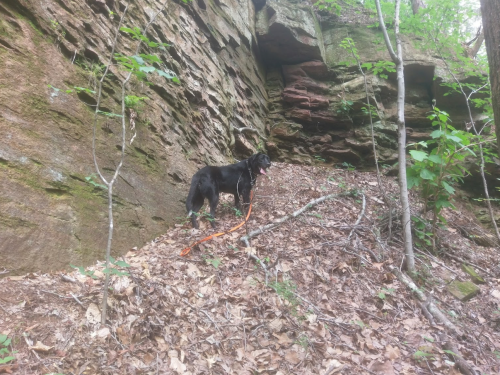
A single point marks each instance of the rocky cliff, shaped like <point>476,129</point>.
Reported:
<point>274,68</point>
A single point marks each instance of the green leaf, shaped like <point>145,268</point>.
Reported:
<point>412,181</point>
<point>436,134</point>
<point>450,352</point>
<point>367,65</point>
<point>448,188</point>
<point>112,260</point>
<point>127,30</point>
<point>427,174</point>
<point>147,69</point>
<point>138,59</point>
<point>3,338</point>
<point>436,159</point>
<point>166,75</point>
<point>121,263</point>
<point>418,155</point>
<point>6,359</point>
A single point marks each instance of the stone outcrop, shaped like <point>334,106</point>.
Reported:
<point>326,95</point>
<point>50,214</point>
<point>272,66</point>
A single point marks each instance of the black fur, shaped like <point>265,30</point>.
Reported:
<point>237,179</point>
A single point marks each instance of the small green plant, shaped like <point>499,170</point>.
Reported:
<point>134,102</point>
<point>91,180</point>
<point>112,271</point>
<point>84,272</point>
<point>6,355</point>
<point>319,158</point>
<point>115,271</point>
<point>303,341</point>
<point>420,355</point>
<point>383,293</point>
<point>142,64</point>
<point>348,166</point>
<point>286,290</point>
<point>234,248</point>
<point>215,262</point>
<point>344,107</point>
<point>438,170</point>
<point>237,212</point>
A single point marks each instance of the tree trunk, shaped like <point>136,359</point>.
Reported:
<point>416,5</point>
<point>490,10</point>
<point>403,186</point>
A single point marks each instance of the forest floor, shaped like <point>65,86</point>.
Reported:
<point>320,300</point>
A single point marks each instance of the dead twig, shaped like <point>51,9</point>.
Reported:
<point>280,221</point>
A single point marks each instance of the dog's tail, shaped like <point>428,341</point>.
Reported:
<point>193,190</point>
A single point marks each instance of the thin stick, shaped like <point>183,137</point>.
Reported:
<point>280,221</point>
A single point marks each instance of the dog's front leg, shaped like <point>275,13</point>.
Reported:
<point>246,200</point>
<point>237,201</point>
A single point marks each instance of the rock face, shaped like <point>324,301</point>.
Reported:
<point>272,66</point>
<point>50,214</point>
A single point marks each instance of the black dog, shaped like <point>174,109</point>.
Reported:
<point>237,179</point>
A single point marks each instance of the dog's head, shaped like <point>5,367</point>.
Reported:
<point>259,163</point>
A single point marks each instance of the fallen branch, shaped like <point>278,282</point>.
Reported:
<point>431,307</point>
<point>463,366</point>
<point>278,222</point>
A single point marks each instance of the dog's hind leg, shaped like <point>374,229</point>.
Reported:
<point>196,205</point>
<point>214,201</point>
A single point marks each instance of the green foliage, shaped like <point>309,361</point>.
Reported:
<point>143,64</point>
<point>319,158</point>
<point>286,290</point>
<point>383,293</point>
<point>344,107</point>
<point>437,170</point>
<point>348,166</point>
<point>380,68</point>
<point>108,114</point>
<point>237,212</point>
<point>5,353</point>
<point>303,341</point>
<point>421,355</point>
<point>91,180</point>
<point>84,272</point>
<point>215,262</point>
<point>110,270</point>
<point>134,102</point>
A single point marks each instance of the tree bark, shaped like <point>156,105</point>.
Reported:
<point>397,58</point>
<point>416,5</point>
<point>490,10</point>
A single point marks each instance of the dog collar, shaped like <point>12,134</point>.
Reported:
<point>252,178</point>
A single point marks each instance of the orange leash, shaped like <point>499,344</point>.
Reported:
<point>188,249</point>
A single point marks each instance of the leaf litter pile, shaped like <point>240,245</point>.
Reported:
<point>312,295</point>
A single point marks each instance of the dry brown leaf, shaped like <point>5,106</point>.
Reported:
<point>177,365</point>
<point>41,348</point>
<point>383,368</point>
<point>291,356</point>
<point>93,314</point>
<point>392,353</point>
<point>283,339</point>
